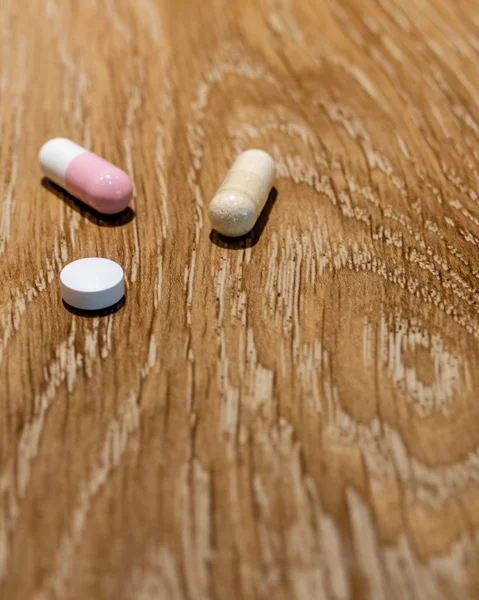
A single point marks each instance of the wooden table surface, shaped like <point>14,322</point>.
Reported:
<point>290,415</point>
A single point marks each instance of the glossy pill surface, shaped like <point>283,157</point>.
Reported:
<point>86,176</point>
<point>92,283</point>
<point>241,197</point>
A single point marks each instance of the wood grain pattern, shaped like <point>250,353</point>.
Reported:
<point>291,415</point>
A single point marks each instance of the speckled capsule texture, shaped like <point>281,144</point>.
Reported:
<point>241,197</point>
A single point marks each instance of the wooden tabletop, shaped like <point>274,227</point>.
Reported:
<point>290,415</point>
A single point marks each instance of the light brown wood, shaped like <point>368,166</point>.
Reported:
<point>294,415</point>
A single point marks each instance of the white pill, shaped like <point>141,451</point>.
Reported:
<point>92,283</point>
<point>242,195</point>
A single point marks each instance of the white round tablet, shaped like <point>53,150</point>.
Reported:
<point>92,283</point>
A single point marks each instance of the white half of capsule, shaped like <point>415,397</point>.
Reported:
<point>55,157</point>
<point>241,197</point>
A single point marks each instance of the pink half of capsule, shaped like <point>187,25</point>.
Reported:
<point>88,177</point>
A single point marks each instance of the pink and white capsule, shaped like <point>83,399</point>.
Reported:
<point>88,177</point>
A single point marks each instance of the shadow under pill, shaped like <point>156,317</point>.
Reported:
<point>104,312</point>
<point>117,220</point>
<point>252,238</point>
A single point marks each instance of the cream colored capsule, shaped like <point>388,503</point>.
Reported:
<point>242,195</point>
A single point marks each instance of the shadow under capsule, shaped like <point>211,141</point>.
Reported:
<point>104,312</point>
<point>123,218</point>
<point>252,238</point>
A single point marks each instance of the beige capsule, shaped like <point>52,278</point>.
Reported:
<point>241,197</point>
